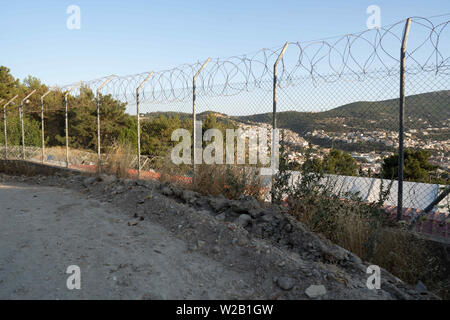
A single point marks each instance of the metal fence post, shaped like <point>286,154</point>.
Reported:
<point>4,117</point>
<point>138,124</point>
<point>4,123</point>
<point>274,115</point>
<point>21,121</point>
<point>401,120</point>
<point>67,121</point>
<point>194,118</point>
<point>42,123</point>
<point>4,120</point>
<point>99,154</point>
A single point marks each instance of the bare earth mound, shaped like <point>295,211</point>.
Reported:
<point>146,240</point>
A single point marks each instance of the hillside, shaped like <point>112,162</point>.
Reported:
<point>425,110</point>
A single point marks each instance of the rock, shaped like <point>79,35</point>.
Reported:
<point>216,249</point>
<point>394,291</point>
<point>421,288</point>
<point>141,183</point>
<point>245,206</point>
<point>355,259</point>
<point>108,179</point>
<point>221,217</point>
<point>267,218</point>
<point>243,220</point>
<point>315,291</point>
<point>218,203</point>
<point>242,241</point>
<point>334,253</point>
<point>285,283</point>
<point>201,243</point>
<point>192,246</point>
<point>288,227</point>
<point>238,207</point>
<point>127,182</point>
<point>119,189</point>
<point>255,213</point>
<point>188,195</point>
<point>202,202</point>
<point>167,191</point>
<point>177,191</point>
<point>88,181</point>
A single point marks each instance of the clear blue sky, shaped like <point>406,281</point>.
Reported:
<point>126,37</point>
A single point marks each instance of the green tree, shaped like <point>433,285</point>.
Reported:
<point>31,128</point>
<point>336,162</point>
<point>156,135</point>
<point>417,167</point>
<point>9,86</point>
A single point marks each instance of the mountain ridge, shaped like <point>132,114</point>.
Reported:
<point>424,110</point>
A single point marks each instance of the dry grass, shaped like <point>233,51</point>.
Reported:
<point>170,172</point>
<point>120,159</point>
<point>402,254</point>
<point>356,232</point>
<point>231,181</point>
<point>412,258</point>
<point>354,226</point>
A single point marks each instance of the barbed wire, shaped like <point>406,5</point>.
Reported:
<point>365,54</point>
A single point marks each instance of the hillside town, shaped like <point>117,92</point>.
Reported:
<point>368,162</point>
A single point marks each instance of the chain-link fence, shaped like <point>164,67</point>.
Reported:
<point>337,101</point>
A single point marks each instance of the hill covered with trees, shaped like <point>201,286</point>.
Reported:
<point>424,110</point>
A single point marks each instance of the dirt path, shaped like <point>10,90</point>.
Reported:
<point>45,229</point>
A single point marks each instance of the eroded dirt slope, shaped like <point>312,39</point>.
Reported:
<point>146,240</point>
